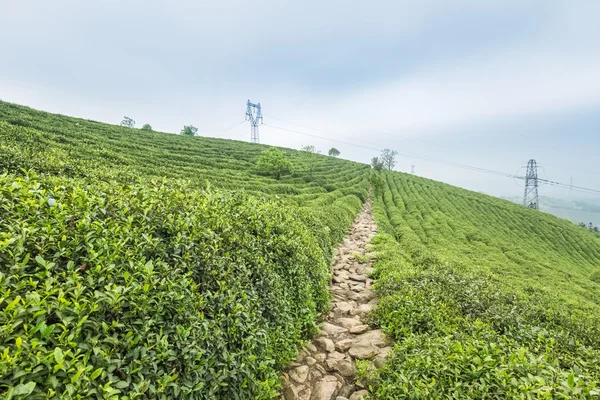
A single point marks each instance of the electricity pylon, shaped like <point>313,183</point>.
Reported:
<point>530,198</point>
<point>254,115</point>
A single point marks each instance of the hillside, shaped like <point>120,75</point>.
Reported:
<point>140,264</point>
<point>485,298</point>
<point>127,268</point>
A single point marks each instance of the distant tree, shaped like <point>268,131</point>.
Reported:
<point>128,122</point>
<point>147,127</point>
<point>388,158</point>
<point>377,164</point>
<point>333,152</point>
<point>189,130</point>
<point>274,162</point>
<point>310,158</point>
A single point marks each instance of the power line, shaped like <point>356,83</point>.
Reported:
<point>232,127</point>
<point>443,162</point>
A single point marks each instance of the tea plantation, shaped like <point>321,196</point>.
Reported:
<point>486,299</point>
<point>137,264</point>
<point>128,270</point>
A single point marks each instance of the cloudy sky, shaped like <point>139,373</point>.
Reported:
<point>489,84</point>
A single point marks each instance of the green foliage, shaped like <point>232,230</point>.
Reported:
<point>274,162</point>
<point>123,274</point>
<point>147,127</point>
<point>388,158</point>
<point>189,130</point>
<point>128,122</point>
<point>595,276</point>
<point>485,299</point>
<point>333,152</point>
<point>310,154</point>
<point>377,164</point>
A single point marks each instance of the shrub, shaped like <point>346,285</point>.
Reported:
<point>152,291</point>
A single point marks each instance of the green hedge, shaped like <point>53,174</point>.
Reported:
<point>154,290</point>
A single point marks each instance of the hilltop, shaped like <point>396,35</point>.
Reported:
<point>151,265</point>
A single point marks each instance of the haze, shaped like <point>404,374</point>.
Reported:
<point>488,84</point>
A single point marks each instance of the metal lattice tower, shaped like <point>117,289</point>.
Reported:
<point>412,169</point>
<point>254,115</point>
<point>530,198</point>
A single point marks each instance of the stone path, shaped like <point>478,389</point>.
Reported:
<point>326,368</point>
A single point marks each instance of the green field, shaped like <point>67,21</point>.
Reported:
<point>139,264</point>
<point>485,298</point>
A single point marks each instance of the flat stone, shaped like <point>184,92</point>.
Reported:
<point>365,308</point>
<point>291,393</point>
<point>347,391</point>
<point>346,368</point>
<point>312,348</point>
<point>310,361</point>
<point>344,307</point>
<point>325,388</point>
<point>348,322</point>
<point>359,395</point>
<point>380,360</point>
<point>344,344</point>
<point>337,356</point>
<point>359,329</point>
<point>320,357</point>
<point>361,297</point>
<point>325,344</point>
<point>376,337</point>
<point>358,278</point>
<point>363,351</point>
<point>299,374</point>
<point>341,398</point>
<point>333,329</point>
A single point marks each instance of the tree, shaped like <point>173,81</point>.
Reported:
<point>189,130</point>
<point>377,164</point>
<point>388,158</point>
<point>147,127</point>
<point>128,122</point>
<point>333,152</point>
<point>273,162</point>
<point>310,158</point>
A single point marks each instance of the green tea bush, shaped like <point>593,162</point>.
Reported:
<point>152,290</point>
<point>485,299</point>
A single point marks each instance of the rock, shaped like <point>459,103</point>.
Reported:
<point>325,344</point>
<point>305,394</point>
<point>348,322</point>
<point>359,329</point>
<point>320,357</point>
<point>312,348</point>
<point>343,307</point>
<point>344,345</point>
<point>346,368</point>
<point>358,278</point>
<point>361,297</point>
<point>310,361</point>
<point>291,393</point>
<point>337,356</point>
<point>365,308</point>
<point>359,395</point>
<point>299,374</point>
<point>380,360</point>
<point>363,351</point>
<point>347,391</point>
<point>375,337</point>
<point>325,388</point>
<point>333,329</point>
<point>341,398</point>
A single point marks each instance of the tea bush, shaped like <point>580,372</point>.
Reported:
<point>470,319</point>
<point>152,291</point>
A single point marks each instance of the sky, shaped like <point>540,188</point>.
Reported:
<point>489,84</point>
